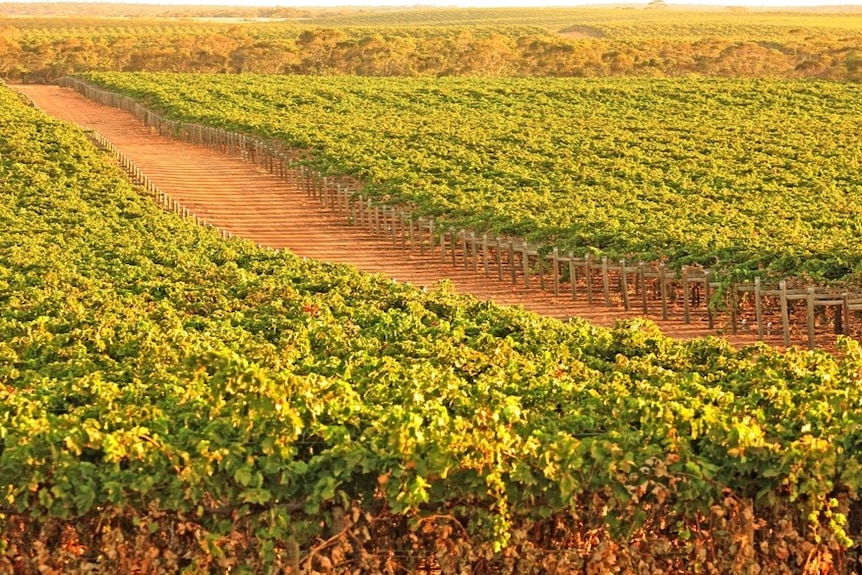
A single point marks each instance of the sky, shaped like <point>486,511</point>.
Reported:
<point>527,3</point>
<point>508,3</point>
<point>481,3</point>
<point>499,3</point>
<point>478,3</point>
<point>523,3</point>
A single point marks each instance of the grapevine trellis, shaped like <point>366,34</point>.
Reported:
<point>651,287</point>
<point>174,402</point>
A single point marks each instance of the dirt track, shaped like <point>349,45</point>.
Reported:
<point>244,199</point>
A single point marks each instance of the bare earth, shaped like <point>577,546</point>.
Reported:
<point>241,197</point>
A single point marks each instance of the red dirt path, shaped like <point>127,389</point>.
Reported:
<point>246,200</point>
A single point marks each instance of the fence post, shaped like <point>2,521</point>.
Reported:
<point>785,314</point>
<point>809,300</point>
<point>464,251</point>
<point>606,287</point>
<point>642,272</point>
<point>707,294</point>
<point>573,278</point>
<point>556,261</point>
<point>499,253</point>
<point>624,284</point>
<point>512,261</point>
<point>758,308</point>
<point>431,237</point>
<point>686,296</point>
<point>485,253</point>
<point>540,265</point>
<point>474,250</point>
<point>734,312</point>
<point>410,235</point>
<point>662,272</point>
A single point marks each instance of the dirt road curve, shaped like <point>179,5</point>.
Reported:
<point>246,200</point>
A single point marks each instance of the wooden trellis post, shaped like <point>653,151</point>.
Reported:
<point>464,250</point>
<point>809,308</point>
<point>431,237</point>
<point>512,262</point>
<point>663,289</point>
<point>540,268</point>
<point>734,308</point>
<point>474,251</point>
<point>707,294</point>
<point>556,263</point>
<point>485,253</point>
<point>686,296</point>
<point>606,287</point>
<point>758,308</point>
<point>499,254</point>
<point>410,235</point>
<point>624,284</point>
<point>785,316</point>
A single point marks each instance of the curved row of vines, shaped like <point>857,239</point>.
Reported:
<point>745,177</point>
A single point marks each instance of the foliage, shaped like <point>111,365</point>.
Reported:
<point>745,177</point>
<point>559,42</point>
<point>172,402</point>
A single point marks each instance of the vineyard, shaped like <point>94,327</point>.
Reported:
<point>779,312</point>
<point>174,399</point>
<point>171,400</point>
<point>746,178</point>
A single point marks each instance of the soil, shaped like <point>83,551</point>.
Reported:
<point>248,201</point>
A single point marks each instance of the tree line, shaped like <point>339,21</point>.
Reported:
<point>45,50</point>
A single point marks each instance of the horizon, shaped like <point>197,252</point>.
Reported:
<point>455,3</point>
